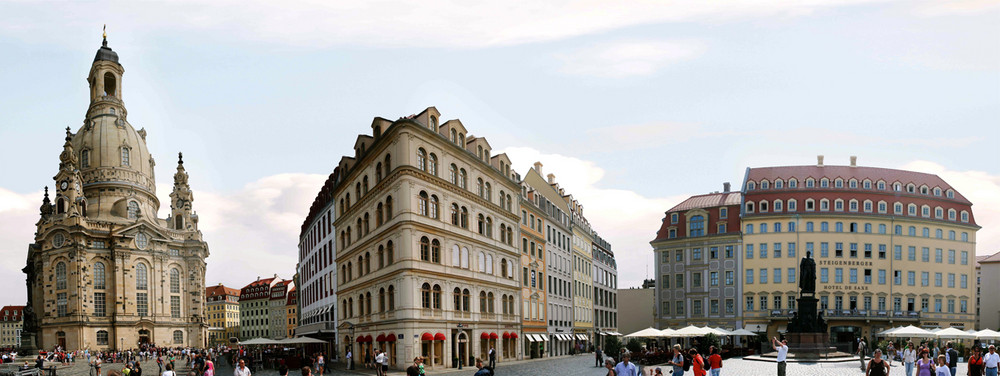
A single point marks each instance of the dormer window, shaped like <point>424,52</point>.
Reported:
<point>810,183</point>
<point>824,183</point>
<point>779,184</point>
<point>950,194</point>
<point>85,159</point>
<point>764,184</point>
<point>792,183</point>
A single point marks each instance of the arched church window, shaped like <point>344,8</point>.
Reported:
<point>85,159</point>
<point>125,156</point>
<point>99,276</point>
<point>175,281</point>
<point>141,277</point>
<point>61,276</point>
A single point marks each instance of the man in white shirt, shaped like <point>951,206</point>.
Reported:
<point>782,348</point>
<point>991,360</point>
<point>350,359</point>
<point>379,358</point>
<point>624,368</point>
<point>909,357</point>
<point>241,369</point>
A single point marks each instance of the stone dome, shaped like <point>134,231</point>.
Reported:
<point>111,150</point>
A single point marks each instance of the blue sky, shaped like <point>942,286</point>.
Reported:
<point>633,105</point>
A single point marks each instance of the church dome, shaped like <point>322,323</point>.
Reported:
<point>111,150</point>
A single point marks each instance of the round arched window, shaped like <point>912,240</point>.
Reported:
<point>141,241</point>
<point>58,240</point>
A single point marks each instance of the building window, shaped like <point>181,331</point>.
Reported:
<point>142,304</point>
<point>125,156</point>
<point>175,307</point>
<point>61,276</point>
<point>102,337</point>
<point>100,304</point>
<point>178,337</point>
<point>141,277</point>
<point>132,210</point>
<point>422,159</point>
<point>61,304</point>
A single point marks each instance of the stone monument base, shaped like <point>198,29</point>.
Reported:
<point>810,345</point>
<point>28,344</point>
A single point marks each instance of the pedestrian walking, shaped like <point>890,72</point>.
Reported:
<point>350,360</point>
<point>320,364</point>
<point>481,370</point>
<point>378,363</point>
<point>609,364</point>
<point>625,368</point>
<point>414,370</point>
<point>942,368</point>
<point>241,369</point>
<point>715,362</point>
<point>697,362</point>
<point>951,356</point>
<point>877,366</point>
<point>891,350</point>
<point>862,350</point>
<point>170,371</point>
<point>493,358</point>
<point>991,360</point>
<point>677,362</point>
<point>597,357</point>
<point>925,366</point>
<point>782,348</point>
<point>385,363</point>
<point>976,362</point>
<point>909,357</point>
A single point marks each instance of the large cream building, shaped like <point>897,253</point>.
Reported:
<point>583,277</point>
<point>426,222</point>
<point>892,248</point>
<point>104,271</point>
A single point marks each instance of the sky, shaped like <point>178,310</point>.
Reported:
<point>633,105</point>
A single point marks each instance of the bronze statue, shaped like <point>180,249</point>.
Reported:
<point>807,275</point>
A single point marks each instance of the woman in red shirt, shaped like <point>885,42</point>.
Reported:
<point>715,362</point>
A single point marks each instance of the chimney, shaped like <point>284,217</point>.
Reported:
<point>538,168</point>
<point>854,161</point>
<point>725,187</point>
<point>819,160</point>
<point>552,178</point>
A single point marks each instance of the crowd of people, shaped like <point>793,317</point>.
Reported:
<point>682,362</point>
<point>926,359</point>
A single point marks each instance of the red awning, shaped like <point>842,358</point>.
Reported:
<point>360,339</point>
<point>506,335</point>
<point>439,337</point>
<point>390,338</point>
<point>368,338</point>
<point>493,336</point>
<point>484,335</point>
<point>513,335</point>
<point>380,338</point>
<point>427,337</point>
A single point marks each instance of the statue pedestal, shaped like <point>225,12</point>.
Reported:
<point>809,345</point>
<point>29,344</point>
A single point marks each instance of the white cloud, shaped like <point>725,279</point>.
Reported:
<point>982,189</point>
<point>250,232</point>
<point>628,58</point>
<point>385,23</point>
<point>624,218</point>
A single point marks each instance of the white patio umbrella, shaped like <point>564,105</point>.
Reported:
<point>911,331</point>
<point>988,334</point>
<point>645,333</point>
<point>722,332</point>
<point>301,340</point>
<point>690,331</point>
<point>717,331</point>
<point>667,333</point>
<point>260,341</point>
<point>742,332</point>
<point>888,331</point>
<point>954,333</point>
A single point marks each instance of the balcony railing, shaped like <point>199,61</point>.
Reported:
<point>853,313</point>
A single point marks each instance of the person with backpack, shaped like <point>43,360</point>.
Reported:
<point>862,350</point>
<point>677,362</point>
<point>697,361</point>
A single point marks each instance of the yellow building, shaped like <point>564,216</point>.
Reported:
<point>891,247</point>
<point>222,312</point>
<point>533,295</point>
<point>10,327</point>
<point>292,311</point>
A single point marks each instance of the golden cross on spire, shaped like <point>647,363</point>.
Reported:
<point>105,31</point>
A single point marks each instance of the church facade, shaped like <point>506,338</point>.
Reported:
<point>104,272</point>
